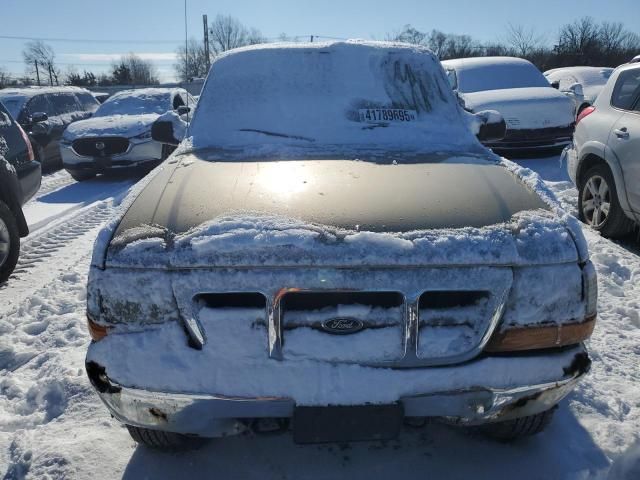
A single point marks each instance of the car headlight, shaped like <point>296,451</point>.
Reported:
<point>143,136</point>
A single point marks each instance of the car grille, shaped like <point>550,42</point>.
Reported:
<point>447,321</point>
<point>100,146</point>
<point>517,137</point>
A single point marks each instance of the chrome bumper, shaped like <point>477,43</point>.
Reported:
<point>214,415</point>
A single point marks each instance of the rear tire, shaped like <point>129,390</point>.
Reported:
<point>615,223</point>
<point>510,430</point>
<point>161,440</point>
<point>9,242</point>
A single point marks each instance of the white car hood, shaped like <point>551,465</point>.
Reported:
<point>525,108</point>
<point>111,126</point>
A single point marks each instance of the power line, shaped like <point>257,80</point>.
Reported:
<point>87,40</point>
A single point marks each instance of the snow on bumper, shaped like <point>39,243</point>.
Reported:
<point>175,388</point>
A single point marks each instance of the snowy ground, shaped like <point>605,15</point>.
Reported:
<point>52,424</point>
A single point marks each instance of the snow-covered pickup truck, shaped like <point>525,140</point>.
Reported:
<point>333,248</point>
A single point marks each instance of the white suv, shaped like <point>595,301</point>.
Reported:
<point>604,161</point>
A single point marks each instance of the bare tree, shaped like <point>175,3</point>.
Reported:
<point>191,63</point>
<point>5,78</point>
<point>524,41</point>
<point>39,59</point>
<point>226,32</point>
<point>408,34</point>
<point>133,70</point>
<point>579,41</point>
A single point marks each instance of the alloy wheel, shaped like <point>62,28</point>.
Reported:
<point>596,201</point>
<point>5,242</point>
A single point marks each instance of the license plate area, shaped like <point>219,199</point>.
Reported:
<point>347,423</point>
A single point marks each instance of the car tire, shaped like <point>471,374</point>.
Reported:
<point>161,440</point>
<point>615,223</point>
<point>9,242</point>
<point>82,175</point>
<point>510,430</point>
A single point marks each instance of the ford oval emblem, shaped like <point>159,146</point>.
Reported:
<point>342,325</point>
<point>100,145</point>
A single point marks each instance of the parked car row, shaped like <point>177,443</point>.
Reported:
<point>44,113</point>
<point>19,180</point>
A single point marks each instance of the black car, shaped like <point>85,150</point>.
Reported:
<point>19,181</point>
<point>44,113</point>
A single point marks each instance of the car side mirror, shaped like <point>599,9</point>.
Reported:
<point>577,90</point>
<point>493,128</point>
<point>556,84</point>
<point>183,109</point>
<point>162,131</point>
<point>39,117</point>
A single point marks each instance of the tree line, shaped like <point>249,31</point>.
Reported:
<point>582,42</point>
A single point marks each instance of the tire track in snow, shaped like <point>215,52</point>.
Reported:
<point>50,251</point>
<point>53,182</point>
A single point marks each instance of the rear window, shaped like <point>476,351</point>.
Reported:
<point>375,96</point>
<point>499,76</point>
<point>627,90</point>
<point>13,104</point>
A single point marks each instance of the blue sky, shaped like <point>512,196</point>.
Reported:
<point>154,28</point>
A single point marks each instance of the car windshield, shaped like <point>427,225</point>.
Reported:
<point>330,95</point>
<point>13,103</point>
<point>499,76</point>
<point>135,103</point>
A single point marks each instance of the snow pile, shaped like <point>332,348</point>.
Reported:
<point>255,239</point>
<point>321,94</point>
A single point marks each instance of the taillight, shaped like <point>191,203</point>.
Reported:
<point>585,113</point>
<point>28,142</point>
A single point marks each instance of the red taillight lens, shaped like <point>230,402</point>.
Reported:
<point>585,113</point>
<point>28,142</point>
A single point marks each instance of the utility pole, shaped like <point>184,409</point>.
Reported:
<point>37,71</point>
<point>206,41</point>
<point>311,38</point>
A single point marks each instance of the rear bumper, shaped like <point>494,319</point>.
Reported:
<point>137,154</point>
<point>211,415</point>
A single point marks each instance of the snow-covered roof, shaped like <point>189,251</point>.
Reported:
<point>138,101</point>
<point>586,75</point>
<point>474,62</point>
<point>318,94</point>
<point>32,91</point>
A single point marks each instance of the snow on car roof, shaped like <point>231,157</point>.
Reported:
<point>138,102</point>
<point>334,93</point>
<point>476,74</point>
<point>586,75</point>
<point>33,91</point>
